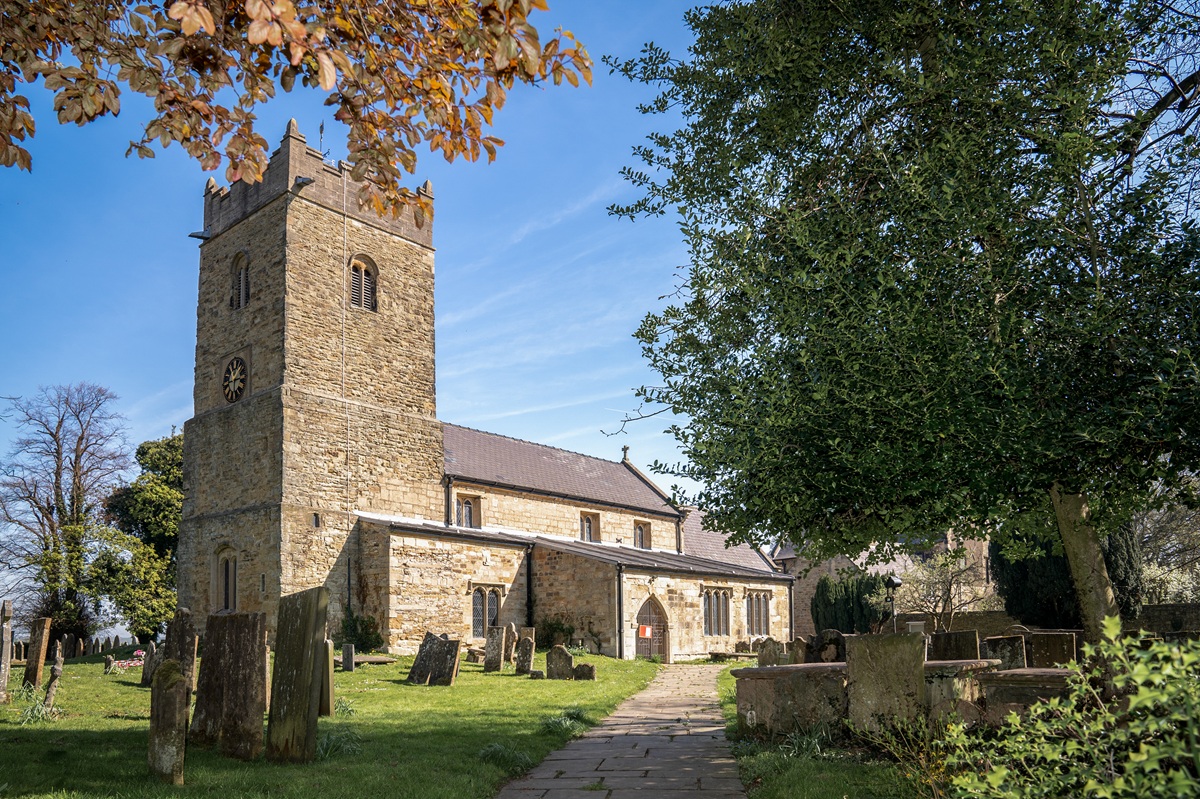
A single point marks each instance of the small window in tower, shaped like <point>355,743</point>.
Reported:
<point>240,296</point>
<point>226,581</point>
<point>362,285</point>
<point>316,520</point>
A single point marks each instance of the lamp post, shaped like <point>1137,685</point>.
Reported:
<point>892,583</point>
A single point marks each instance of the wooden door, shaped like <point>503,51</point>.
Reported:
<point>653,617</point>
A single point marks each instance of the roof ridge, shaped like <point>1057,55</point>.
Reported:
<point>533,443</point>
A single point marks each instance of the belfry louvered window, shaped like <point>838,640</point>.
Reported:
<point>362,286</point>
<point>240,296</point>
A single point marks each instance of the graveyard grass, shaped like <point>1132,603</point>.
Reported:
<point>776,770</point>
<point>414,741</point>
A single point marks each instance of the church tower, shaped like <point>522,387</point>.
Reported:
<point>314,387</point>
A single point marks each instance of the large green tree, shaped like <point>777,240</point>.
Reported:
<point>943,268</point>
<point>136,569</point>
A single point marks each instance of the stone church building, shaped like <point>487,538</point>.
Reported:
<point>315,456</point>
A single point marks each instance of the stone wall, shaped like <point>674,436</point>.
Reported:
<point>540,513</point>
<point>580,592</point>
<point>1170,618</point>
<point>681,597</point>
<point>429,581</point>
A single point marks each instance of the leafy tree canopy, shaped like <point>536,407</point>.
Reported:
<point>399,74</point>
<point>943,268</point>
<point>151,507</point>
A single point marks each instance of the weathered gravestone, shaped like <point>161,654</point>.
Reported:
<point>436,662</point>
<point>1051,650</point>
<point>445,663</point>
<point>326,653</point>
<point>510,642</point>
<point>962,645</point>
<point>35,652</point>
<point>296,680</point>
<point>885,679</point>
<point>108,644</point>
<point>109,664</point>
<point>423,662</point>
<point>1008,649</point>
<point>150,662</point>
<point>474,655</point>
<point>770,652</point>
<point>524,655</point>
<point>528,632</point>
<point>584,671</point>
<point>493,649</point>
<point>80,648</point>
<point>828,646</point>
<point>6,646</point>
<point>55,675</point>
<point>560,665</point>
<point>231,690</point>
<point>18,651</point>
<point>797,649</point>
<point>171,698</point>
<point>537,674</point>
<point>347,657</point>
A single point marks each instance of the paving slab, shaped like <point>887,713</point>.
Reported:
<point>667,741</point>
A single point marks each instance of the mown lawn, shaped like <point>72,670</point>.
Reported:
<point>795,768</point>
<point>415,741</point>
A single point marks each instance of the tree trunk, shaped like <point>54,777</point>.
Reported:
<point>1086,558</point>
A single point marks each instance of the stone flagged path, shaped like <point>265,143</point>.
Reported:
<point>667,741</point>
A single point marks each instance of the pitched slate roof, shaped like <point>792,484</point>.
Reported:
<point>704,543</point>
<point>495,460</point>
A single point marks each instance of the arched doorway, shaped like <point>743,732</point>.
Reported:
<point>652,619</point>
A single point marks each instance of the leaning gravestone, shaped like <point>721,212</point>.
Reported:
<point>326,654</point>
<point>961,645</point>
<point>6,647</point>
<point>35,653</point>
<point>1008,649</point>
<point>885,679</point>
<point>770,653</point>
<point>55,675</point>
<point>584,671</point>
<point>231,691</point>
<point>296,681</point>
<point>510,642</point>
<point>423,662</point>
<point>171,698</point>
<point>493,650</point>
<point>560,665</point>
<point>444,668</point>
<point>524,655</point>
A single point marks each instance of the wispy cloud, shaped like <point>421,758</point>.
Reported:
<point>605,191</point>
<point>556,406</point>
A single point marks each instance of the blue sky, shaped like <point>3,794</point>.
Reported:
<point>538,289</point>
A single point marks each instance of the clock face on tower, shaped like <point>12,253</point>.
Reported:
<point>234,382</point>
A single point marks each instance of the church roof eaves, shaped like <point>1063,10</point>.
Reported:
<point>655,560</point>
<point>489,459</point>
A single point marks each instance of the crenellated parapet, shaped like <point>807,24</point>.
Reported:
<point>300,170</point>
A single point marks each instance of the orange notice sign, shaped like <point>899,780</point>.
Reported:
<point>644,631</point>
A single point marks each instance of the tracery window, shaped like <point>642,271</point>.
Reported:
<point>641,535</point>
<point>589,527</point>
<point>758,613</point>
<point>467,512</point>
<point>716,610</point>
<point>485,610</point>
